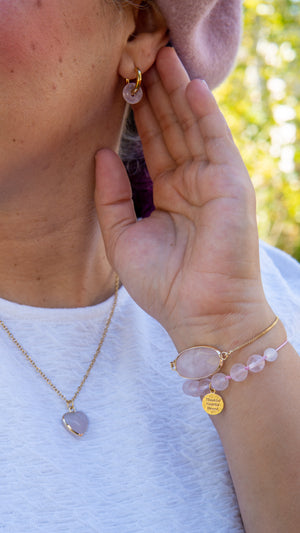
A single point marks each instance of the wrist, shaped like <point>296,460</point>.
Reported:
<point>200,365</point>
<point>272,339</point>
<point>224,332</point>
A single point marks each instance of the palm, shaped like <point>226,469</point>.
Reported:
<point>201,240</point>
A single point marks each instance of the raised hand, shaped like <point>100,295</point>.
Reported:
<point>193,264</point>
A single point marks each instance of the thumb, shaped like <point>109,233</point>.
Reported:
<point>113,197</point>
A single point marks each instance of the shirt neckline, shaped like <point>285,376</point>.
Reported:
<point>16,311</point>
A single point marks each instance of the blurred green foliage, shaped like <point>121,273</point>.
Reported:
<point>261,102</point>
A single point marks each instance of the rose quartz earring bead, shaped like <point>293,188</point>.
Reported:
<point>130,96</point>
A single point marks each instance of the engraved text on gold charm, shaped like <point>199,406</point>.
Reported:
<point>213,404</point>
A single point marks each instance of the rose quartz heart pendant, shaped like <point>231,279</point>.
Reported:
<point>198,362</point>
<point>76,422</point>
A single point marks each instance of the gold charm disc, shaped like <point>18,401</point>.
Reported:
<point>213,404</point>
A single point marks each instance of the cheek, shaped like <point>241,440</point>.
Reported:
<point>52,51</point>
<point>29,31</point>
<point>37,36</point>
<point>57,62</point>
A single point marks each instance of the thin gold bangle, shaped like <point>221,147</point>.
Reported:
<point>266,330</point>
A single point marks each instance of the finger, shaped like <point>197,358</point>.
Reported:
<point>218,143</point>
<point>156,152</point>
<point>113,199</point>
<point>171,128</point>
<point>175,79</point>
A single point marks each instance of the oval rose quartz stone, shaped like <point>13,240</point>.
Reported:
<point>198,362</point>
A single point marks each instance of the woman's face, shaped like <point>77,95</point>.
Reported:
<point>58,75</point>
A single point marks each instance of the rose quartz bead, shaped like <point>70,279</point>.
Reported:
<point>219,381</point>
<point>238,372</point>
<point>270,355</point>
<point>256,363</point>
<point>132,98</point>
<point>196,388</point>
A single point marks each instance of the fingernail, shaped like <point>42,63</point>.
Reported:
<point>204,83</point>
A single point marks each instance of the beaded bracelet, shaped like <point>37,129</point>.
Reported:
<point>203,361</point>
<point>213,403</point>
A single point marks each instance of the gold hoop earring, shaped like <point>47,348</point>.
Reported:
<point>132,92</point>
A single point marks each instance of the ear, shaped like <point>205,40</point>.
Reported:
<point>150,34</point>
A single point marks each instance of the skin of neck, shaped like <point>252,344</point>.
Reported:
<point>51,248</point>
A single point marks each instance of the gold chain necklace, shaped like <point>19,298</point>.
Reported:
<point>74,421</point>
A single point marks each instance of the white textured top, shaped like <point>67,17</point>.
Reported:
<point>151,460</point>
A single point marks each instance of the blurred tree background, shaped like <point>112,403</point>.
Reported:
<point>261,102</point>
